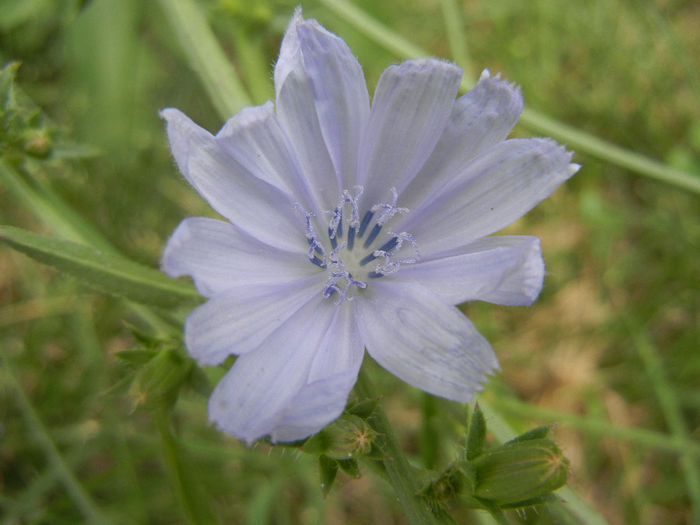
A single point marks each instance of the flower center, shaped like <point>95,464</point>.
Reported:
<point>354,251</point>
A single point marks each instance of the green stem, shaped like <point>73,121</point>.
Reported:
<point>669,406</point>
<point>603,150</point>
<point>638,436</point>
<point>75,490</point>
<point>457,37</point>
<point>375,30</point>
<point>399,471</point>
<point>195,507</point>
<point>533,120</point>
<point>205,56</point>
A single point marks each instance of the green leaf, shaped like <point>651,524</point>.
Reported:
<point>329,469</point>
<point>136,357</point>
<point>159,381</point>
<point>199,382</point>
<point>535,433</point>
<point>363,409</point>
<point>477,434</point>
<point>108,273</point>
<point>350,467</point>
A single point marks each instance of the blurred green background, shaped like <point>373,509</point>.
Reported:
<point>609,353</point>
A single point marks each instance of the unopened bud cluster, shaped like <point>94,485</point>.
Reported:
<point>521,473</point>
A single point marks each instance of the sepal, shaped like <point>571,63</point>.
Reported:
<point>347,437</point>
<point>158,382</point>
<point>328,469</point>
<point>476,436</point>
<point>520,471</point>
<point>535,433</point>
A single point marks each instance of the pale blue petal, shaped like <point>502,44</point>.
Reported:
<point>316,405</point>
<point>290,53</point>
<point>253,205</point>
<point>340,95</point>
<point>323,105</point>
<point>341,349</point>
<point>506,270</point>
<point>296,111</point>
<point>497,188</point>
<point>419,338</point>
<point>480,119</point>
<point>237,321</point>
<point>332,375</point>
<point>249,401</point>
<point>410,109</point>
<point>220,257</point>
<point>256,141</point>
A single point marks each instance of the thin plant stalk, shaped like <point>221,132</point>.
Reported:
<point>399,471</point>
<point>205,56</point>
<point>638,436</point>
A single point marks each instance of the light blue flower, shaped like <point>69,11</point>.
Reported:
<point>352,226</point>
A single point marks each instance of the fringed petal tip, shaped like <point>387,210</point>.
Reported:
<point>500,89</point>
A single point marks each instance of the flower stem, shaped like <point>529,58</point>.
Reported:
<point>596,427</point>
<point>188,490</point>
<point>668,403</point>
<point>399,472</point>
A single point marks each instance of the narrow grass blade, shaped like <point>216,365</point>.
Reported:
<point>205,56</point>
<point>639,436</point>
<point>668,402</point>
<point>108,273</point>
<point>457,38</point>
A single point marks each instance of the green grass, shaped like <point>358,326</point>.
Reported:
<point>609,353</point>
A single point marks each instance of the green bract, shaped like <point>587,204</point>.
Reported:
<point>520,471</point>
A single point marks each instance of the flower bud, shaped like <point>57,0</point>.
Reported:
<point>520,471</point>
<point>159,380</point>
<point>347,437</point>
<point>37,143</point>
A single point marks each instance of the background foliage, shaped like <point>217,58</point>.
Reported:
<point>609,353</point>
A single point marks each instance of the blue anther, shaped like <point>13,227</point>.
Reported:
<point>365,222</point>
<point>369,258</point>
<point>372,235</point>
<point>318,262</point>
<point>333,238</point>
<point>351,237</point>
<point>389,245</point>
<point>375,275</point>
<point>339,230</point>
<point>317,248</point>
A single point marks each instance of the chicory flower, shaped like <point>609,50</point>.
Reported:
<point>351,225</point>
